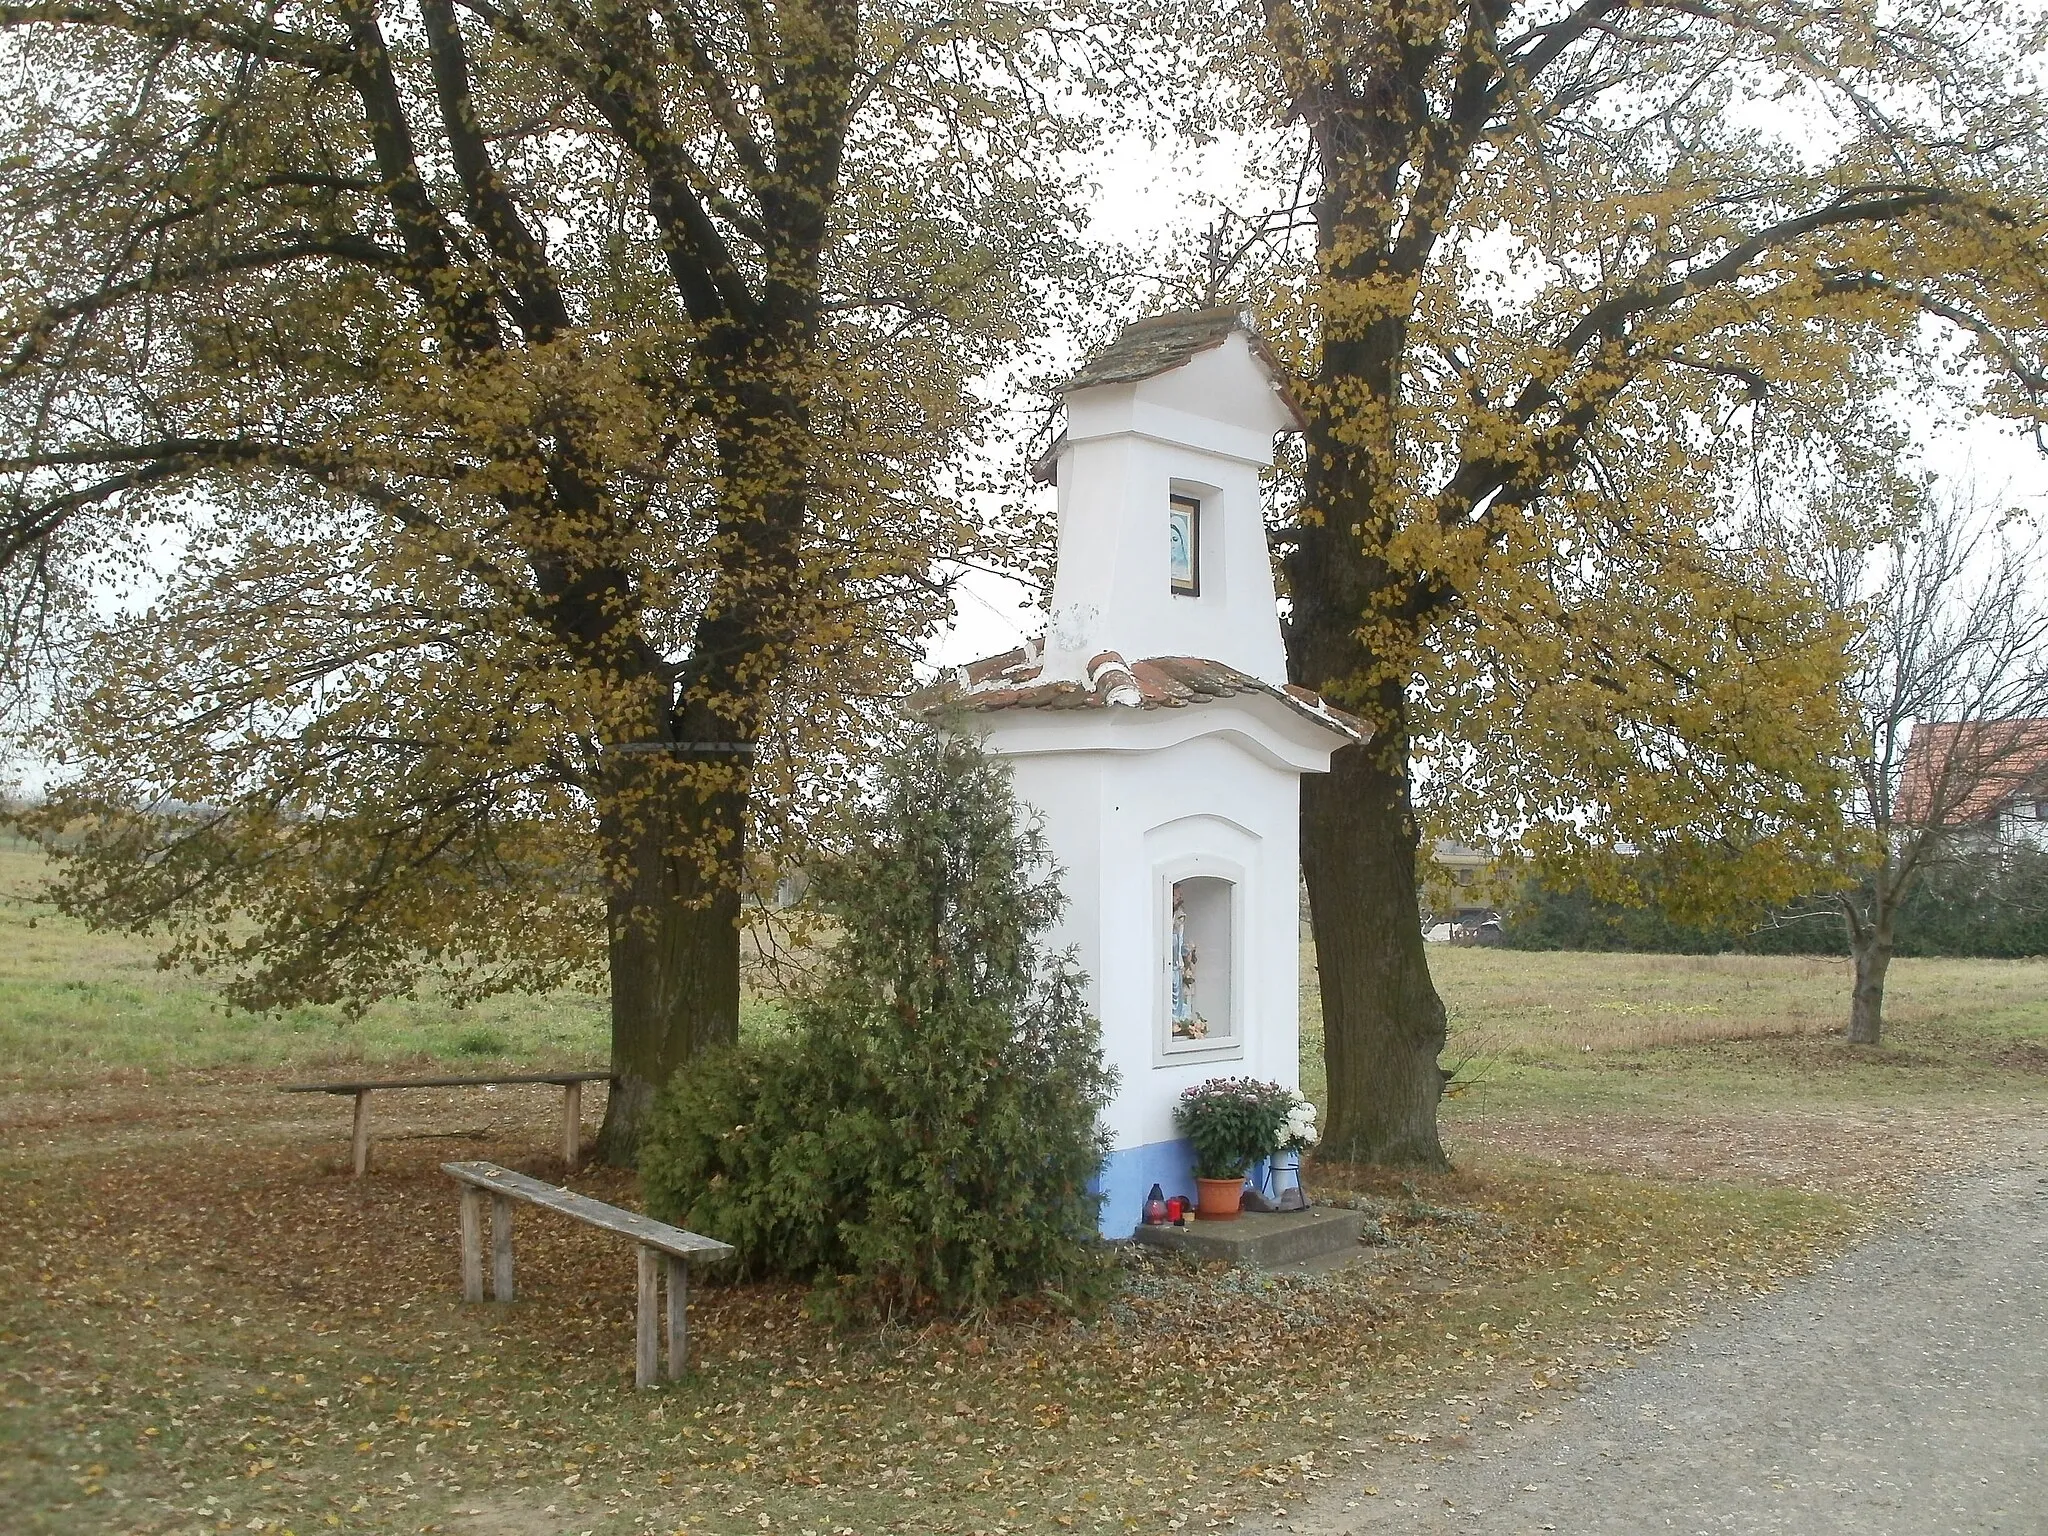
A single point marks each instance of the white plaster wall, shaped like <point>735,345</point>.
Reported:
<point>1099,810</point>
<point>1065,791</point>
<point>1206,430</point>
<point>2023,830</point>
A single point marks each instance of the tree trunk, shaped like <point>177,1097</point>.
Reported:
<point>674,941</point>
<point>1383,1023</point>
<point>1873,954</point>
<point>676,818</point>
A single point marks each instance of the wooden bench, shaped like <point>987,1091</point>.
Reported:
<point>659,1247</point>
<point>571,1084</point>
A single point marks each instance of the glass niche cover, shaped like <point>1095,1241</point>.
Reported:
<point>1184,545</point>
<point>1200,1006</point>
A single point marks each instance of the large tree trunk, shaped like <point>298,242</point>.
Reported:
<point>675,992</point>
<point>675,973</point>
<point>673,925</point>
<point>1873,956</point>
<point>676,816</point>
<point>1383,1022</point>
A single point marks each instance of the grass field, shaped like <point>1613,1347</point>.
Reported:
<point>76,1005</point>
<point>1558,1030</point>
<point>207,1326</point>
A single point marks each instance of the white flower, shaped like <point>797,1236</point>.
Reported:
<point>1299,1130</point>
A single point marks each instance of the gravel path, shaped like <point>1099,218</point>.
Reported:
<point>1902,1390</point>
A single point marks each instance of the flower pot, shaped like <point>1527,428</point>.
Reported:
<point>1219,1198</point>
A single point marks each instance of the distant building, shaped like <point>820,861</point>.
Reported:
<point>1986,780</point>
<point>1460,901</point>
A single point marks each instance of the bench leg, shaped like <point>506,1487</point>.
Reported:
<point>501,1248</point>
<point>646,1340</point>
<point>678,1312</point>
<point>472,1244</point>
<point>572,1124</point>
<point>362,1132</point>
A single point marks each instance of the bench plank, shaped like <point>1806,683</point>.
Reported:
<point>644,1230</point>
<point>559,1079</point>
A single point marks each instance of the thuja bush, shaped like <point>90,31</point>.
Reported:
<point>925,1133</point>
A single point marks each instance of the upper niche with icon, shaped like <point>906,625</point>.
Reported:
<point>1184,545</point>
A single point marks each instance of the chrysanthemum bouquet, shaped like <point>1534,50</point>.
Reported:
<point>1236,1121</point>
<point>1297,1133</point>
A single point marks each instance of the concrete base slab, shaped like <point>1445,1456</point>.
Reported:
<point>1254,1241</point>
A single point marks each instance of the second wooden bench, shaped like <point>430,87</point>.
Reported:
<point>571,1084</point>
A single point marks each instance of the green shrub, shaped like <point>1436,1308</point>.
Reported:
<point>481,1041</point>
<point>925,1132</point>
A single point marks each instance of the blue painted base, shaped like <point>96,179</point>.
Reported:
<point>1127,1178</point>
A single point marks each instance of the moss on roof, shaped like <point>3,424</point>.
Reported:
<point>1147,348</point>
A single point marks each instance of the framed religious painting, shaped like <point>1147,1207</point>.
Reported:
<point>1184,545</point>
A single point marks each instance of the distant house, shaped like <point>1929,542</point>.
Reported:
<point>1463,867</point>
<point>1458,896</point>
<point>1986,780</point>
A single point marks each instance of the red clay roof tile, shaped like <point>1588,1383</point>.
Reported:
<point>1010,681</point>
<point>1955,774</point>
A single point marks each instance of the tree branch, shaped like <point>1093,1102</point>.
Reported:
<point>540,312</point>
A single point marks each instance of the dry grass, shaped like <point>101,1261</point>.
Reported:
<point>206,1326</point>
<point>1515,1002</point>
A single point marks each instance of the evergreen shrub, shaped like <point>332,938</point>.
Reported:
<point>925,1133</point>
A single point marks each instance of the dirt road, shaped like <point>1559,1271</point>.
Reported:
<point>1902,1390</point>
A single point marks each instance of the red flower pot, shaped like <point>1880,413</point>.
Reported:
<point>1219,1199</point>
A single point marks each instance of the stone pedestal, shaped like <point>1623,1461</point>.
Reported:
<point>1281,1240</point>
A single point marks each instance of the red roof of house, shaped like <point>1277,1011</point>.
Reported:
<point>1958,773</point>
<point>1011,681</point>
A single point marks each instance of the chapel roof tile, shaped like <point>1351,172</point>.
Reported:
<point>1012,681</point>
<point>1157,344</point>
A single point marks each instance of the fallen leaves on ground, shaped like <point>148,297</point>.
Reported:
<point>210,1327</point>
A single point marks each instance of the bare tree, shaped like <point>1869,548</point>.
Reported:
<point>1952,684</point>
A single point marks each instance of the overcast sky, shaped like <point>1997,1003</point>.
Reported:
<point>1145,192</point>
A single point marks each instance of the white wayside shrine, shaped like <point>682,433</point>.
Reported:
<point>1154,730</point>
